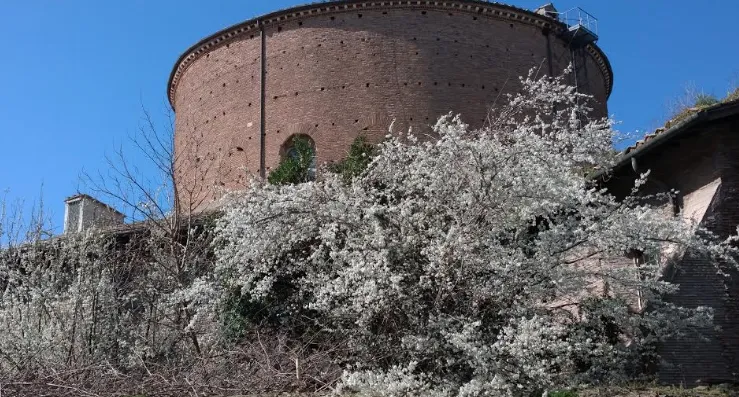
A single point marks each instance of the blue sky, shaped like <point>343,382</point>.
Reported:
<point>75,73</point>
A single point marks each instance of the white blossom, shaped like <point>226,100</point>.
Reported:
<point>477,262</point>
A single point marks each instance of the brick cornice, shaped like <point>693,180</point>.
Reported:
<point>478,7</point>
<point>605,66</point>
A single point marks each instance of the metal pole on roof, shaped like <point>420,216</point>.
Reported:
<point>262,105</point>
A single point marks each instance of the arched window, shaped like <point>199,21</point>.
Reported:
<point>298,161</point>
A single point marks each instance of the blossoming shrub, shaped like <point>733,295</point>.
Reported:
<point>471,263</point>
<point>476,263</point>
<point>88,299</point>
<point>111,313</point>
<point>51,294</point>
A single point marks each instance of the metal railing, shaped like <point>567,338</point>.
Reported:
<point>577,18</point>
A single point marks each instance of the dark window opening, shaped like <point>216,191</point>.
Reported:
<point>300,150</point>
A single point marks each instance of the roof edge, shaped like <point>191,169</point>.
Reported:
<point>84,196</point>
<point>711,113</point>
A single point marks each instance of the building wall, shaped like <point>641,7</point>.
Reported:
<point>217,122</point>
<point>704,167</point>
<point>336,74</point>
<point>84,212</point>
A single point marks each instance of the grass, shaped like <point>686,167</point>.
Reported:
<point>732,96</point>
<point>661,391</point>
<point>567,393</point>
<point>701,102</point>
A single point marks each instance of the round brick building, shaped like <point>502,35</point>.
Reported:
<point>336,70</point>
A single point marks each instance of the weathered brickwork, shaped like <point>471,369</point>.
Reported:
<point>347,68</point>
<point>703,165</point>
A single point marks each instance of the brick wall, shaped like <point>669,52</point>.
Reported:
<point>336,75</point>
<point>703,165</point>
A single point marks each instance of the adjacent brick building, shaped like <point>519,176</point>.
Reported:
<point>334,70</point>
<point>698,158</point>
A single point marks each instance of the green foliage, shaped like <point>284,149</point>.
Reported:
<point>297,165</point>
<point>703,100</point>
<point>563,393</point>
<point>360,155</point>
<point>240,312</point>
<point>233,315</point>
<point>694,102</point>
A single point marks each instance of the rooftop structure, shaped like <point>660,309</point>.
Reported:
<point>83,212</point>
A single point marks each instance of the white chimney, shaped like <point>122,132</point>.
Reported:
<point>83,212</point>
<point>548,10</point>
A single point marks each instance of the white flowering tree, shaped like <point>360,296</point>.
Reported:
<point>106,301</point>
<point>170,207</point>
<point>471,263</point>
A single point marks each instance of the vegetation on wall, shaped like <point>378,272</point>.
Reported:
<point>694,101</point>
<point>359,157</point>
<point>704,100</point>
<point>298,163</point>
<point>733,96</point>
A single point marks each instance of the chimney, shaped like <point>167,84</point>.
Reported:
<point>548,10</point>
<point>83,212</point>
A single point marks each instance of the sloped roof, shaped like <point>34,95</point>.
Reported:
<point>654,140</point>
